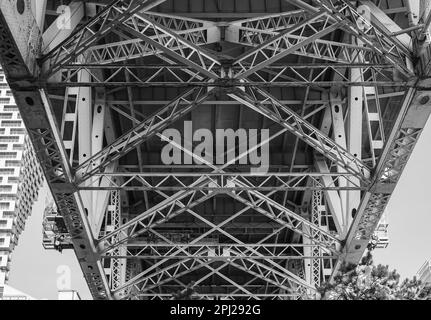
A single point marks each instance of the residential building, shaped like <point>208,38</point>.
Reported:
<point>20,177</point>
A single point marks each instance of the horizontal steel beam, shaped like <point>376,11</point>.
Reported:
<point>407,129</point>
<point>18,49</point>
<point>218,181</point>
<point>218,258</point>
<point>173,111</point>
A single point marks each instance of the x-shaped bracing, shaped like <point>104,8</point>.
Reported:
<point>282,42</point>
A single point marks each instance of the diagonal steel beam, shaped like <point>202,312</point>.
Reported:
<point>173,45</point>
<point>173,111</point>
<point>389,47</point>
<point>116,13</point>
<point>139,277</point>
<point>393,160</point>
<point>291,220</point>
<point>309,134</point>
<point>167,181</point>
<point>294,220</point>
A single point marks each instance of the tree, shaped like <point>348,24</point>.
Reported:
<point>185,294</point>
<point>369,282</point>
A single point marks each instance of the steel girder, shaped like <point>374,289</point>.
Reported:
<point>117,266</point>
<point>197,34</point>
<point>304,130</point>
<point>271,76</point>
<point>18,50</point>
<point>108,49</point>
<point>396,153</point>
<point>111,16</point>
<point>218,251</point>
<point>166,181</point>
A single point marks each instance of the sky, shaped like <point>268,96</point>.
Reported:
<point>34,269</point>
<point>409,213</point>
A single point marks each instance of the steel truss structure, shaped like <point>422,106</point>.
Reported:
<point>344,96</point>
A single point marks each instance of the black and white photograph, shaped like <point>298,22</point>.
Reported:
<point>215,158</point>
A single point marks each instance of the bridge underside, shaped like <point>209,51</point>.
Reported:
<point>343,94</point>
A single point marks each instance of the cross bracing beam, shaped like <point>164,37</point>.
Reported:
<point>170,273</point>
<point>219,251</point>
<point>178,196</point>
<point>291,224</point>
<point>221,258</point>
<point>233,288</point>
<point>256,268</point>
<point>291,220</point>
<point>194,32</point>
<point>103,23</point>
<point>246,29</point>
<point>217,227</point>
<point>273,265</point>
<point>280,45</point>
<point>176,181</point>
<point>223,296</point>
<point>368,30</point>
<point>180,268</point>
<point>309,103</point>
<point>151,218</point>
<point>177,47</point>
<point>262,275</point>
<point>148,220</point>
<point>326,50</point>
<point>373,36</point>
<point>276,211</point>
<point>271,76</point>
<point>18,48</point>
<point>295,124</point>
<point>146,129</point>
<point>199,34</point>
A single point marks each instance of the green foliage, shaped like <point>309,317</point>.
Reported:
<point>369,282</point>
<point>186,294</point>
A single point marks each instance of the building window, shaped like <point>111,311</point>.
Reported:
<point>6,171</point>
<point>7,155</point>
<point>12,163</point>
<point>17,131</point>
<point>18,147</point>
<point>6,115</point>
<point>11,123</point>
<point>4,205</point>
<point>7,197</point>
<point>10,107</point>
